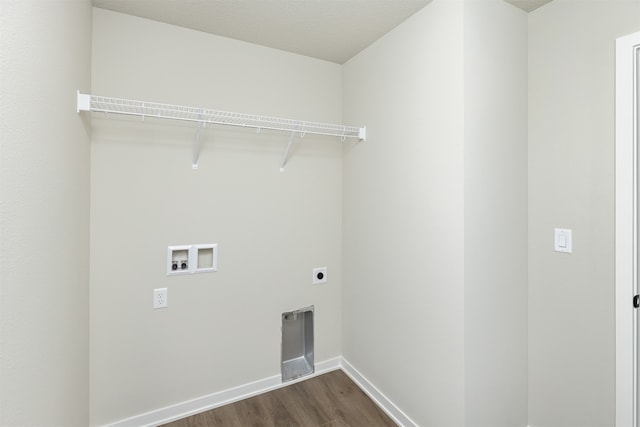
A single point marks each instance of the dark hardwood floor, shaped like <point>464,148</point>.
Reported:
<point>328,400</point>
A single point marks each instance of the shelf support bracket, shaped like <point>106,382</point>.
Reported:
<point>196,146</point>
<point>286,153</point>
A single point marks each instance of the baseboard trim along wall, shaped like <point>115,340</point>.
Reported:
<point>221,398</point>
<point>376,395</point>
<point>215,400</point>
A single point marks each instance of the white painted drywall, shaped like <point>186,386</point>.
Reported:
<point>435,215</point>
<point>403,217</point>
<point>221,329</point>
<point>495,214</point>
<point>44,213</point>
<point>571,185</point>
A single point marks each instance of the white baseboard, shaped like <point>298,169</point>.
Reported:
<point>215,400</point>
<point>376,395</point>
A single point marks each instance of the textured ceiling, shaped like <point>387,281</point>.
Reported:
<point>333,30</point>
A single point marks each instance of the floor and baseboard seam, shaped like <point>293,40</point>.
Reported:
<point>377,396</point>
<point>235,394</point>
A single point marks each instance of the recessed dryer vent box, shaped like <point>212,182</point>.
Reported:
<point>189,259</point>
<point>297,344</point>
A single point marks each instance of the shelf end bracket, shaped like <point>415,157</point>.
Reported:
<point>84,102</point>
<point>362,133</point>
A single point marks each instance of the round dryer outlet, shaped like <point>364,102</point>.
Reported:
<point>319,275</point>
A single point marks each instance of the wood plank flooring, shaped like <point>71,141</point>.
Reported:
<point>328,400</point>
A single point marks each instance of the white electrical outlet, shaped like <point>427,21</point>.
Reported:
<point>160,298</point>
<point>319,275</point>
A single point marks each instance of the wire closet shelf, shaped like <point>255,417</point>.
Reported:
<point>206,116</point>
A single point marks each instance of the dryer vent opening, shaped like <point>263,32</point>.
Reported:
<point>297,344</point>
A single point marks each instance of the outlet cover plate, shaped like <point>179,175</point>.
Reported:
<point>160,298</point>
<point>319,275</point>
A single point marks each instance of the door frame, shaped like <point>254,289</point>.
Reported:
<point>626,217</point>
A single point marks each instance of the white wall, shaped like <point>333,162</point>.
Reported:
<point>222,329</point>
<point>408,195</point>
<point>403,216</point>
<point>571,185</point>
<point>44,213</point>
<point>435,215</point>
<point>495,208</point>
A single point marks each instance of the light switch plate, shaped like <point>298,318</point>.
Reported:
<point>562,241</point>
